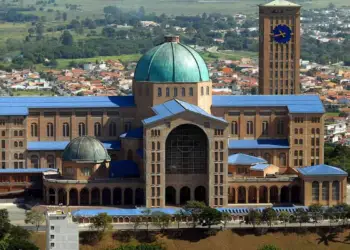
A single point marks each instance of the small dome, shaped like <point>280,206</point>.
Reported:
<point>171,61</point>
<point>85,149</point>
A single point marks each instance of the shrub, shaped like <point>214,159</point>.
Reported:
<point>269,247</point>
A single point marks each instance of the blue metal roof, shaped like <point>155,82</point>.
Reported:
<point>20,105</point>
<point>174,107</point>
<point>259,167</point>
<point>322,170</point>
<point>123,169</point>
<point>294,103</point>
<point>26,170</point>
<point>61,145</point>
<point>135,133</point>
<point>263,144</point>
<point>243,159</point>
<point>171,62</point>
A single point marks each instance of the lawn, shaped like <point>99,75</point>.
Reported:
<point>226,240</point>
<point>332,113</point>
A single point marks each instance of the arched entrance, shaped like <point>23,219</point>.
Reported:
<point>285,194</point>
<point>73,197</point>
<point>273,194</point>
<point>231,195</point>
<point>84,197</point>
<point>252,194</point>
<point>199,194</point>
<point>52,196</point>
<point>262,194</point>
<point>139,197</point>
<point>185,195</point>
<point>295,194</point>
<point>95,196</point>
<point>186,151</point>
<point>241,195</point>
<point>106,197</point>
<point>170,196</point>
<point>117,196</point>
<point>128,197</point>
<point>62,196</point>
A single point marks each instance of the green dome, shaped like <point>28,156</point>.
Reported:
<point>85,149</point>
<point>171,62</point>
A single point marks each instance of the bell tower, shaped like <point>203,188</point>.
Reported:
<point>279,48</point>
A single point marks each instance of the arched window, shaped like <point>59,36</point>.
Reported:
<point>317,131</point>
<point>15,133</point>
<point>250,129</point>
<point>300,141</point>
<point>65,129</point>
<point>158,145</point>
<point>183,91</point>
<point>20,156</point>
<point>153,145</point>
<point>325,190</point>
<point>191,91</point>
<point>175,91</point>
<point>16,156</point>
<point>221,145</point>
<point>159,92</point>
<point>112,129</point>
<point>20,144</point>
<point>202,90</point>
<point>167,92</point>
<point>97,129</point>
<point>20,133</point>
<point>283,159</point>
<point>50,161</point>
<point>208,90</point>
<point>296,153</point>
<point>265,128</point>
<point>335,191</point>
<point>301,131</point>
<point>234,128</point>
<point>295,141</point>
<point>216,145</point>
<point>267,157</point>
<point>81,128</point>
<point>34,161</point>
<point>296,131</point>
<point>15,164</point>
<point>16,144</point>
<point>49,129</point>
<point>280,127</point>
<point>315,191</point>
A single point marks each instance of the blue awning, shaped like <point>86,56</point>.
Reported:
<point>26,170</point>
<point>259,144</point>
<point>135,133</point>
<point>123,169</point>
<point>61,145</point>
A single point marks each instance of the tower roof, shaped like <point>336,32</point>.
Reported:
<point>280,3</point>
<point>171,61</point>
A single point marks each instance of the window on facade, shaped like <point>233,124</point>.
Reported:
<point>300,141</point>
<point>65,130</point>
<point>112,129</point>
<point>82,129</point>
<point>283,160</point>
<point>318,131</point>
<point>20,133</point>
<point>295,141</point>
<point>296,131</point>
<point>34,130</point>
<point>159,92</point>
<point>221,145</point>
<point>97,129</point>
<point>127,126</point>
<point>335,190</point>
<point>315,191</point>
<point>50,161</point>
<point>20,156</point>
<point>175,91</point>
<point>49,130</point>
<point>15,144</point>
<point>183,91</point>
<point>267,157</point>
<point>20,144</point>
<point>312,131</point>
<point>86,171</point>
<point>234,128</point>
<point>265,128</point>
<point>34,161</point>
<point>250,129</point>
<point>158,145</point>
<point>301,131</point>
<point>208,90</point>
<point>325,191</point>
<point>15,156</point>
<point>153,145</point>
<point>202,90</point>
<point>167,92</point>
<point>191,91</point>
<point>280,127</point>
<point>317,141</point>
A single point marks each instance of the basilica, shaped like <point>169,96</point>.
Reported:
<point>170,142</point>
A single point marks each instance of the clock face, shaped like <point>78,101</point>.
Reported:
<point>282,33</point>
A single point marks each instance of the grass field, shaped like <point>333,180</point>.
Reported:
<point>332,113</point>
<point>227,240</point>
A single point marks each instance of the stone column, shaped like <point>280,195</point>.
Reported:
<point>78,197</point>
<point>319,192</point>
<point>246,195</point>
<point>257,195</point>
<point>56,197</point>
<point>279,195</point>
<point>89,197</point>
<point>268,194</point>
<point>330,193</point>
<point>101,196</point>
<point>236,195</point>
<point>67,195</point>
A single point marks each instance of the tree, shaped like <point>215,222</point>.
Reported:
<point>225,218</point>
<point>4,222</point>
<point>254,90</point>
<point>316,211</point>
<point>67,38</point>
<point>269,247</point>
<point>284,216</point>
<point>178,217</point>
<point>253,217</point>
<point>194,209</point>
<point>330,213</point>
<point>35,217</point>
<point>101,222</point>
<point>147,213</point>
<point>210,216</point>
<point>136,223</point>
<point>20,244</point>
<point>344,212</point>
<point>64,16</point>
<point>269,215</point>
<point>301,215</point>
<point>161,220</point>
